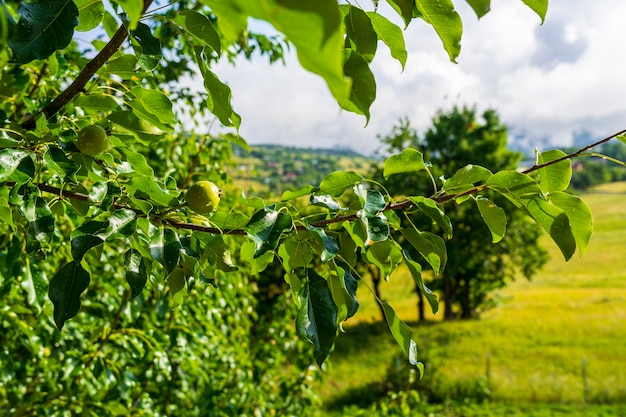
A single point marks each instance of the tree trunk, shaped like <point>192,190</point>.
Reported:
<point>466,303</point>
<point>420,304</point>
<point>375,274</point>
<point>448,298</point>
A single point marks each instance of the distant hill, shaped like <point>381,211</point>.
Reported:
<point>271,169</point>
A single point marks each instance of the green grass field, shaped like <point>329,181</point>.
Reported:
<point>528,350</point>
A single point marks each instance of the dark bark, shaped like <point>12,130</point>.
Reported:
<point>466,303</point>
<point>420,304</point>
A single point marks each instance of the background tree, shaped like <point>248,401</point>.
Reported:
<point>476,267</point>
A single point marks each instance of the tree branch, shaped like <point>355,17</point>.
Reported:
<point>85,75</point>
<point>402,205</point>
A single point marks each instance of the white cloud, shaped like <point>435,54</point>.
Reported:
<point>546,81</point>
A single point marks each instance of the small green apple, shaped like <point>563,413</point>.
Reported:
<point>92,140</point>
<point>203,197</point>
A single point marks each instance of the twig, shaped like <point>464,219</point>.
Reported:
<point>85,75</point>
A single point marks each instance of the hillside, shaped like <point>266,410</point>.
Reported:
<point>271,169</point>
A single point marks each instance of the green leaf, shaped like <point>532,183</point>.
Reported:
<point>165,246</point>
<point>136,274</point>
<point>430,246</point>
<point>435,212</point>
<point>90,13</point>
<point>360,33</point>
<point>200,27</point>
<point>416,272</point>
<point>348,249</point>
<point>385,255</point>
<point>343,287</point>
<point>81,244</point>
<point>557,176</point>
<point>377,229</point>
<point>391,35</point>
<point>329,243</point>
<point>339,181</point>
<point>446,22</point>
<point>96,102</point>
<point>69,282</point>
<point>35,283</point>
<point>153,106</point>
<point>579,217</point>
<point>150,47</point>
<point>517,187</point>
<point>10,159</point>
<point>300,192</point>
<point>404,8</point>
<point>295,253</point>
<point>122,224</point>
<point>465,178</point>
<point>314,28</point>
<point>128,123</point>
<point>410,160</point>
<point>538,6</point>
<point>266,227</point>
<point>41,221</point>
<point>133,9</point>
<point>43,28</point>
<point>324,200</point>
<point>554,221</point>
<point>317,317</point>
<point>363,88</point>
<point>401,332</point>
<point>494,218</point>
<point>148,188</point>
<point>124,66</point>
<point>219,95</point>
<point>137,161</point>
<point>480,7</point>
<point>231,21</point>
<point>216,252</point>
<point>64,167</point>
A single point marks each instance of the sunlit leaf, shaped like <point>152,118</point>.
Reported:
<point>391,35</point>
<point>295,254</point>
<point>410,160</point>
<point>435,212</point>
<point>153,106</point>
<point>339,181</point>
<point>494,218</point>
<point>416,272</point>
<point>343,287</point>
<point>90,13</point>
<point>579,217</point>
<point>446,22</point>
<point>466,177</point>
<point>402,333</point>
<point>480,7</point>
<point>328,243</point>
<point>430,246</point>
<point>300,192</point>
<point>556,176</point>
<point>200,27</point>
<point>538,6</point>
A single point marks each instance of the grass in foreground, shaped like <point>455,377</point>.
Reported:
<point>535,347</point>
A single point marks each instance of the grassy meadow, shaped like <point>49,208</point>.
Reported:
<point>559,339</point>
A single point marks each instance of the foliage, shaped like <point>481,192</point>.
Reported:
<point>457,140</point>
<point>76,226</point>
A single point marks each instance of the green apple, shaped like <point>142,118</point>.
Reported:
<point>92,140</point>
<point>203,197</point>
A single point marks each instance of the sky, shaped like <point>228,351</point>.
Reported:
<point>550,83</point>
